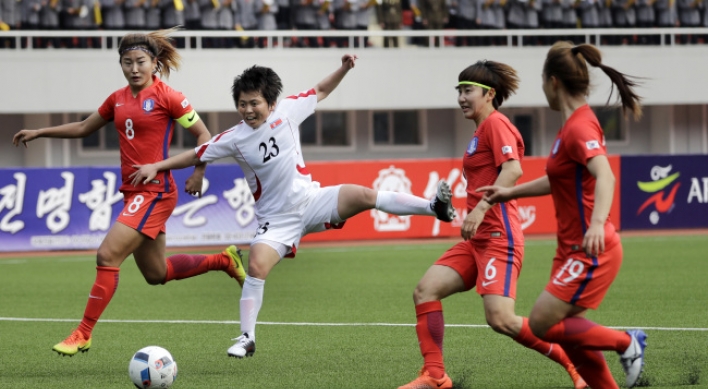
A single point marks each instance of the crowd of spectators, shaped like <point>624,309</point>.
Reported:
<point>249,15</point>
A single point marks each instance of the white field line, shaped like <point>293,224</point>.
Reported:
<point>274,323</point>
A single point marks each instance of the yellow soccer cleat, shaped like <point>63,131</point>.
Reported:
<point>425,381</point>
<point>235,269</point>
<point>73,344</point>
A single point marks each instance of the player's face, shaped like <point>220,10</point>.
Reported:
<point>254,108</point>
<point>138,68</point>
<point>550,92</point>
<point>472,100</point>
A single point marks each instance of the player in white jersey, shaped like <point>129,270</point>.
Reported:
<point>289,204</point>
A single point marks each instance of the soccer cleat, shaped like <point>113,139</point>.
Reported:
<point>425,381</point>
<point>632,359</point>
<point>578,381</point>
<point>235,269</point>
<point>244,347</point>
<point>73,344</point>
<point>441,204</point>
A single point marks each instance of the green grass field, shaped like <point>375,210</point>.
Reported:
<point>339,318</point>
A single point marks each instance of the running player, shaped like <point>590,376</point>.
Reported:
<point>145,113</point>
<point>491,254</point>
<point>289,204</point>
<point>589,253</point>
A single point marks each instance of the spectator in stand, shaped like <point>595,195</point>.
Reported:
<point>516,16</point>
<point>284,17</point>
<point>465,18</point>
<point>153,16</point>
<point>645,19</point>
<point>552,17</point>
<point>589,13</point>
<point>246,20</point>
<point>31,11</point>
<point>623,16</point>
<point>390,17</point>
<point>135,14</point>
<point>486,18</point>
<point>267,11</point>
<point>435,14</point>
<point>79,15</point>
<point>226,21</point>
<point>7,21</point>
<point>324,14</point>
<point>689,16</point>
<point>606,16</point>
<point>192,15</point>
<point>208,10</point>
<point>345,18</point>
<point>665,13</point>
<point>570,20</point>
<point>49,20</point>
<point>500,19</point>
<point>172,14</point>
<point>533,9</point>
<point>113,16</point>
<point>305,16</point>
<point>363,18</point>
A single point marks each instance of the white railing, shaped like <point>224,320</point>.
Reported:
<point>275,39</point>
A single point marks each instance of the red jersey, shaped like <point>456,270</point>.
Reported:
<point>145,125</point>
<point>572,185</point>
<point>495,141</point>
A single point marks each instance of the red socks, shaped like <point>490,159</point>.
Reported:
<point>582,333</point>
<point>553,351</point>
<point>181,266</point>
<point>430,328</point>
<point>101,293</point>
<point>591,365</point>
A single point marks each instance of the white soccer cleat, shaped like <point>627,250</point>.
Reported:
<point>244,347</point>
<point>441,204</point>
<point>632,359</point>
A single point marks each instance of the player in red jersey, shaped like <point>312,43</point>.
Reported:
<point>491,254</point>
<point>589,253</point>
<point>145,113</point>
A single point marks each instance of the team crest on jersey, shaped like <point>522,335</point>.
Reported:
<point>472,147</point>
<point>148,105</point>
<point>555,147</point>
<point>276,124</point>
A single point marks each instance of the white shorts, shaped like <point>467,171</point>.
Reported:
<point>283,232</point>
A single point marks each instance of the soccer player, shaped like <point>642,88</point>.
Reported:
<point>289,204</point>
<point>144,113</point>
<point>589,253</point>
<point>491,254</point>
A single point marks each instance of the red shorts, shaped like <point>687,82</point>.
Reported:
<point>583,281</point>
<point>493,266</point>
<point>147,212</point>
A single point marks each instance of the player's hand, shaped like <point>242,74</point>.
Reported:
<point>471,223</point>
<point>594,240</point>
<point>348,61</point>
<point>495,194</point>
<point>193,185</point>
<point>143,175</point>
<point>24,136</point>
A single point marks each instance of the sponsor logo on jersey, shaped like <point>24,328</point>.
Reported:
<point>662,202</point>
<point>472,146</point>
<point>592,144</point>
<point>487,283</point>
<point>119,104</point>
<point>506,149</point>
<point>276,124</point>
<point>148,105</point>
<point>184,103</point>
<point>556,146</point>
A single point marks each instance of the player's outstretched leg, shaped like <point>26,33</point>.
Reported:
<point>441,204</point>
<point>632,359</point>
<point>181,266</point>
<point>244,347</point>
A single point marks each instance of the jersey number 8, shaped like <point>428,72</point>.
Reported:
<point>129,131</point>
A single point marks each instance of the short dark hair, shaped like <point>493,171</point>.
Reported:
<point>258,78</point>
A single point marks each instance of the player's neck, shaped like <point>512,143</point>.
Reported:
<point>484,114</point>
<point>135,90</point>
<point>569,105</point>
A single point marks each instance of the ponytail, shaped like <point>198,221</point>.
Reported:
<point>158,44</point>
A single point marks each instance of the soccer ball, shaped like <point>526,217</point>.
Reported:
<point>152,367</point>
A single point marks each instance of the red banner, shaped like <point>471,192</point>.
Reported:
<point>419,177</point>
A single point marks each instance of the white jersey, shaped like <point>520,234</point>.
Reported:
<point>270,156</point>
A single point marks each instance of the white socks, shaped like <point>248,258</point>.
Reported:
<point>402,204</point>
<point>251,301</point>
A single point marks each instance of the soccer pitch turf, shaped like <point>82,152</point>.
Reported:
<point>340,318</point>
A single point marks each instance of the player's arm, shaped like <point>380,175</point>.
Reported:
<point>68,130</point>
<point>196,126</point>
<point>510,173</point>
<point>594,240</point>
<point>145,173</point>
<point>495,194</point>
<point>327,85</point>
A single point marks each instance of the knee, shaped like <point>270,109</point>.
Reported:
<point>256,269</point>
<point>502,323</point>
<point>105,258</point>
<point>423,294</point>
<point>538,327</point>
<point>154,279</point>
